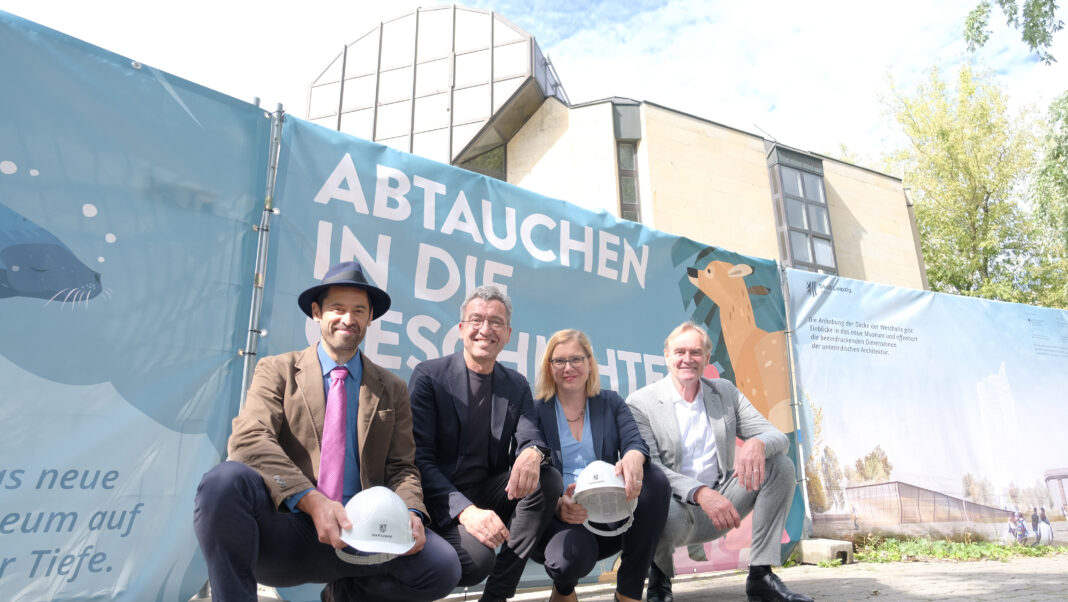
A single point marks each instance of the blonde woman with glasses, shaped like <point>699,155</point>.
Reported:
<point>582,423</point>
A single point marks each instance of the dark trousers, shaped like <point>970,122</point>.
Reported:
<point>246,541</point>
<point>569,552</point>
<point>526,520</point>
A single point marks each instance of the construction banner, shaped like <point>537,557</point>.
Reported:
<point>429,233</point>
<point>127,264</point>
<point>126,198</point>
<point>932,413</point>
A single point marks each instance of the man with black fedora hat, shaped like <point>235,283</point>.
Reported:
<point>318,426</point>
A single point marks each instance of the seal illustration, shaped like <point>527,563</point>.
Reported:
<point>34,263</point>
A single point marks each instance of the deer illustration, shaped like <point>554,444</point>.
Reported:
<point>758,357</point>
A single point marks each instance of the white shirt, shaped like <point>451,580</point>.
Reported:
<point>699,458</point>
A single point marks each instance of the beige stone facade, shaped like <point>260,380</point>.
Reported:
<point>712,183</point>
<point>567,153</point>
<point>874,237</point>
<point>707,182</point>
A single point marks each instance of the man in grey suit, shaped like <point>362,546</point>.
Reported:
<point>690,424</point>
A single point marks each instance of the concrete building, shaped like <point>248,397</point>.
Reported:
<point>467,87</point>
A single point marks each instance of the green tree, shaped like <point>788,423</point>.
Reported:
<point>874,467</point>
<point>1037,496</point>
<point>832,477</point>
<point>1049,193</point>
<point>1036,20</point>
<point>971,487</point>
<point>1014,493</point>
<point>966,161</point>
<point>852,478</point>
<point>980,491</point>
<point>1051,178</point>
<point>986,492</point>
<point>817,495</point>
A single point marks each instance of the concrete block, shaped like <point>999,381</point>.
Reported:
<point>815,551</point>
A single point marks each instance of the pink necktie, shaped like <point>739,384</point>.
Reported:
<point>332,456</point>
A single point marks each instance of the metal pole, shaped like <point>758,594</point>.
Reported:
<point>493,66</point>
<point>415,79</point>
<point>341,89</point>
<point>378,84</point>
<point>254,332</point>
<point>264,231</point>
<point>452,83</point>
<point>795,402</point>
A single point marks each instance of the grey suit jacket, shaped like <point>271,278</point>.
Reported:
<point>730,414</point>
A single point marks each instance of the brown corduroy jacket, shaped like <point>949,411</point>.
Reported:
<point>279,431</point>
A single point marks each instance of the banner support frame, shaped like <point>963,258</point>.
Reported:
<point>262,241</point>
<point>795,403</point>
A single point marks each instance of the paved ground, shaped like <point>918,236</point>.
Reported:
<point>1040,579</point>
<point>1032,579</point>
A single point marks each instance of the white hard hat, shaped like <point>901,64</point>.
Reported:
<point>381,529</point>
<point>601,492</point>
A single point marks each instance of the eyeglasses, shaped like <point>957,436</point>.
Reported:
<point>476,322</point>
<point>574,361</point>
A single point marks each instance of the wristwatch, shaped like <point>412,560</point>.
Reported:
<point>541,455</point>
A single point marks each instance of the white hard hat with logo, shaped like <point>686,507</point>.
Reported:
<point>601,492</point>
<point>381,529</point>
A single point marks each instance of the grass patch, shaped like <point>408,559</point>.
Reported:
<point>877,548</point>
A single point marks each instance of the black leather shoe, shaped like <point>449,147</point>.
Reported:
<point>770,588</point>
<point>659,588</point>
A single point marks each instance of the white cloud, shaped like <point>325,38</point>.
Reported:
<point>810,74</point>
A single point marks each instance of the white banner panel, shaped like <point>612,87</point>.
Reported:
<point>934,410</point>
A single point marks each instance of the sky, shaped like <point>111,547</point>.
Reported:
<point>808,75</point>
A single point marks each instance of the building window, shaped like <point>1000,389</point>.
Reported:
<point>804,225</point>
<point>629,207</point>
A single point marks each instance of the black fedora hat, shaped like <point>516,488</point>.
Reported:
<point>348,273</point>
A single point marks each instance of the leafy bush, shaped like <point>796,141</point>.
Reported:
<point>877,548</point>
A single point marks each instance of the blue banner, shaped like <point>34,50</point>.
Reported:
<point>126,257</point>
<point>430,233</point>
<point>126,267</point>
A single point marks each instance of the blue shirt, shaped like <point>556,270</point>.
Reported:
<point>576,455</point>
<point>352,456</point>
